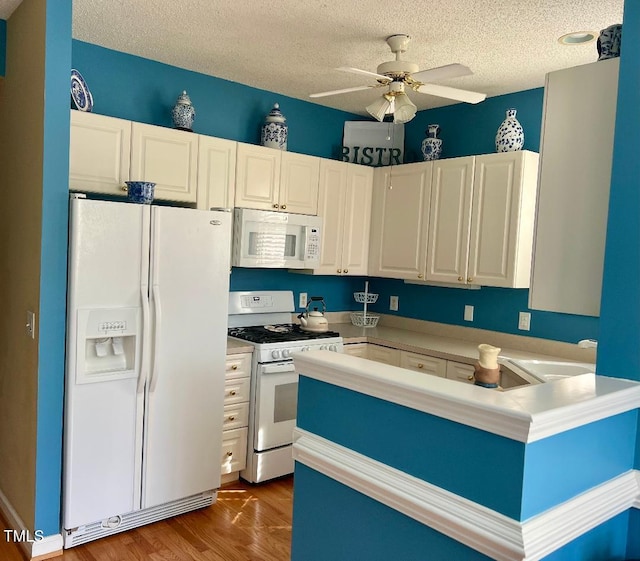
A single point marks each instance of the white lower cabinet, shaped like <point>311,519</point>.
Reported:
<point>423,363</point>
<point>460,371</point>
<point>356,349</point>
<point>236,415</point>
<point>382,354</point>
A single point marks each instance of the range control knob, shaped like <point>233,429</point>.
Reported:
<point>306,348</point>
<point>333,348</point>
<point>286,353</point>
<point>323,347</point>
<point>275,354</point>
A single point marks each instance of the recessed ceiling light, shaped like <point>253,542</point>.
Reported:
<point>578,38</point>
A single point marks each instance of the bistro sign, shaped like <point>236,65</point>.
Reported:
<point>373,144</point>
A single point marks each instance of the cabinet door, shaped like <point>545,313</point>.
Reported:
<point>99,153</point>
<point>299,177</point>
<point>355,249</point>
<point>216,172</point>
<point>167,157</point>
<point>356,349</point>
<point>331,207</point>
<point>450,220</point>
<point>502,219</point>
<point>257,177</point>
<point>460,372</point>
<point>575,176</point>
<point>399,217</point>
<point>423,363</point>
<point>383,354</point>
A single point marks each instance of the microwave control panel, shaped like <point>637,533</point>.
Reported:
<point>313,245</point>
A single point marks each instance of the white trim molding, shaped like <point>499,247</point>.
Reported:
<point>525,414</point>
<point>476,526</point>
<point>37,549</point>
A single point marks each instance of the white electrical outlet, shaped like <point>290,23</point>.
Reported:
<point>524,321</point>
<point>393,303</point>
<point>468,313</point>
<point>302,303</point>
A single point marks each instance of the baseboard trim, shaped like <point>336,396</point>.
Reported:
<point>476,526</point>
<point>37,550</point>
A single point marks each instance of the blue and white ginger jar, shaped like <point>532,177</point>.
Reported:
<point>432,146</point>
<point>274,132</point>
<point>510,135</point>
<point>609,42</point>
<point>183,113</point>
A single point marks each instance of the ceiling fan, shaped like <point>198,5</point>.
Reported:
<point>398,75</point>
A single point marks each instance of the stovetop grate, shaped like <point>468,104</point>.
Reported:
<point>277,333</point>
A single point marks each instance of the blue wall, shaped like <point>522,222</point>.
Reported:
<point>142,90</point>
<point>3,46</point>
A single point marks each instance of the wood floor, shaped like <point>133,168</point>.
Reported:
<point>247,523</point>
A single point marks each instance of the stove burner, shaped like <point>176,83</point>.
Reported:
<point>277,333</point>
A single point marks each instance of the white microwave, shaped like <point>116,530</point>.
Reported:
<point>262,238</point>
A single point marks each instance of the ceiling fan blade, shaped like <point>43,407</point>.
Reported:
<point>451,93</point>
<point>441,73</point>
<point>336,92</point>
<point>364,73</point>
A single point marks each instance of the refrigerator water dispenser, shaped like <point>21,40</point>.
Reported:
<point>107,344</point>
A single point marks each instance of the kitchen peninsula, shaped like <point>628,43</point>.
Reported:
<point>458,471</point>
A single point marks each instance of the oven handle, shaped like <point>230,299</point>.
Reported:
<point>277,368</point>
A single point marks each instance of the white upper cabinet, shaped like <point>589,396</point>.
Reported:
<point>575,176</point>
<point>344,203</point>
<point>399,218</point>
<point>270,179</point>
<point>105,152</point>
<point>216,172</point>
<point>167,157</point>
<point>450,220</point>
<point>99,153</point>
<point>481,220</point>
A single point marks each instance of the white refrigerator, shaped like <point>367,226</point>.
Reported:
<point>146,345</point>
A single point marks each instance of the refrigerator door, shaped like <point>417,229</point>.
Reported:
<point>189,299</point>
<point>108,271</point>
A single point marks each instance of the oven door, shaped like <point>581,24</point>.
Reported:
<point>276,405</point>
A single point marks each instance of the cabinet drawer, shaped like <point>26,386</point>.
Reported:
<point>460,371</point>
<point>234,450</point>
<point>236,416</point>
<point>423,363</point>
<point>238,366</point>
<point>356,349</point>
<point>236,391</point>
<point>383,354</point>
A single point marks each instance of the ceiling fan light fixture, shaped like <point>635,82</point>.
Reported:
<point>404,110</point>
<point>381,107</point>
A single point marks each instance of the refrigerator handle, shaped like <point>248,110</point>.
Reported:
<point>144,346</point>
<point>157,308</point>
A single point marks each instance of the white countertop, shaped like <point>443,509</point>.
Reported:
<point>526,414</point>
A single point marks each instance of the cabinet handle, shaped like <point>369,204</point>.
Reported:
<point>420,276</point>
<point>232,418</point>
<point>346,270</point>
<point>124,188</point>
<point>232,392</point>
<point>283,207</point>
<point>460,279</point>
<point>229,454</point>
<point>234,367</point>
<point>339,270</point>
<point>275,205</point>
<point>470,377</point>
<point>469,279</point>
<point>420,365</point>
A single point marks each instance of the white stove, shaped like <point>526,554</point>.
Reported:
<point>263,319</point>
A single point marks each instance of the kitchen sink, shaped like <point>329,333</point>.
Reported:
<point>549,370</point>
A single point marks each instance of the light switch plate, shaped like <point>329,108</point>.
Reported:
<point>303,300</point>
<point>468,313</point>
<point>393,303</point>
<point>524,321</point>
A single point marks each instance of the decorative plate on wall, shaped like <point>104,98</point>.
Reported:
<point>80,94</point>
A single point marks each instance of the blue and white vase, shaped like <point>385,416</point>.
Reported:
<point>432,146</point>
<point>183,113</point>
<point>274,132</point>
<point>510,135</point>
<point>609,42</point>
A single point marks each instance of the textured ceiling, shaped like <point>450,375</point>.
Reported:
<point>292,47</point>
